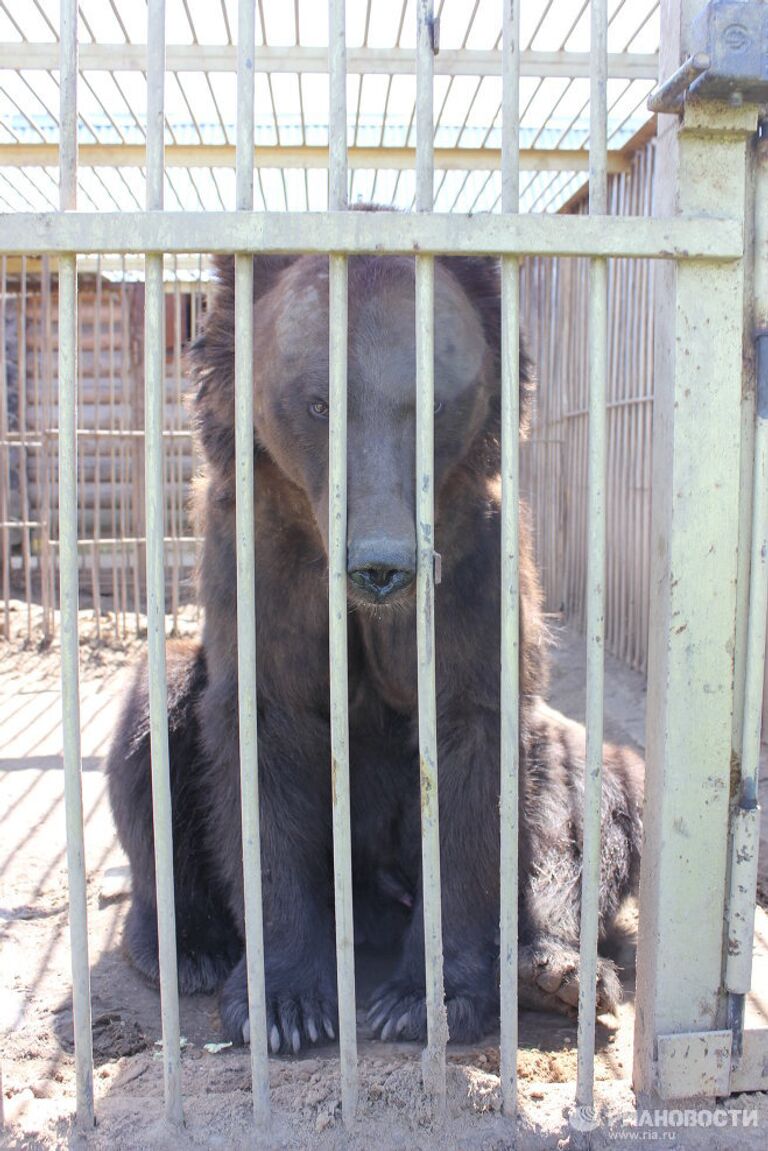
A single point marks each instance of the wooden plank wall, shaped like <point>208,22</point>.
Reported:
<point>554,461</point>
<point>110,450</point>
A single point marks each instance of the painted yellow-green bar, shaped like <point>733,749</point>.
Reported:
<point>746,825</point>
<point>510,565</point>
<point>337,573</point>
<point>69,586</point>
<point>390,233</point>
<point>246,584</point>
<point>433,1062</point>
<point>154,390</point>
<point>595,628</point>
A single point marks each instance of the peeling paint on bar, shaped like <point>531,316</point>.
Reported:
<point>360,232</point>
<point>433,1058</point>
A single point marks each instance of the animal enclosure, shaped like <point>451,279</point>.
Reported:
<point>634,257</point>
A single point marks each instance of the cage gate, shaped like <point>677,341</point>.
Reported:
<point>709,238</point>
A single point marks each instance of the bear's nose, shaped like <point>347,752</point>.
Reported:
<point>381,581</point>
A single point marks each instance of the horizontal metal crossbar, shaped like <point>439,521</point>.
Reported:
<point>365,61</point>
<point>306,156</point>
<point>353,233</point>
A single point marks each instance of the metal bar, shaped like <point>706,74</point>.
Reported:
<point>678,238</point>
<point>376,61</point>
<point>510,565</point>
<point>746,829</point>
<point>433,1060</point>
<point>669,97</point>
<point>595,629</point>
<point>337,559</point>
<point>305,156</point>
<point>154,392</point>
<point>246,585</point>
<point>69,590</point>
<point>5,459</point>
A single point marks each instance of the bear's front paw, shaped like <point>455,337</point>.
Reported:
<point>300,1011</point>
<point>398,1011</point>
<point>548,978</point>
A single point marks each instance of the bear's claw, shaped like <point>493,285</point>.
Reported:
<point>399,1012</point>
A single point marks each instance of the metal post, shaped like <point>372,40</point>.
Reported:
<point>437,1023</point>
<point>598,367</point>
<point>154,393</point>
<point>69,590</point>
<point>696,485</point>
<point>746,828</point>
<point>246,586</point>
<point>510,562</point>
<point>337,572</point>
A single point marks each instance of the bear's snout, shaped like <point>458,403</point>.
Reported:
<point>379,569</point>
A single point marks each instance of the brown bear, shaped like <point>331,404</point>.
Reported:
<point>291,325</point>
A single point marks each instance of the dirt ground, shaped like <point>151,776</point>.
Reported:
<point>35,985</point>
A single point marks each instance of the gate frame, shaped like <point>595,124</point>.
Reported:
<point>696,673</point>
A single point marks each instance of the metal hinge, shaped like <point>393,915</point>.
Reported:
<point>728,61</point>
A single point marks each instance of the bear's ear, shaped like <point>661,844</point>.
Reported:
<point>480,278</point>
<point>211,358</point>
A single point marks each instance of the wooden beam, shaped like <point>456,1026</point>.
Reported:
<point>223,156</point>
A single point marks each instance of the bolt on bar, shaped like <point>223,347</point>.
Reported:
<point>510,562</point>
<point>746,833</point>
<point>337,570</point>
<point>437,1023</point>
<point>598,364</point>
<point>154,389</point>
<point>246,586</point>
<point>69,591</point>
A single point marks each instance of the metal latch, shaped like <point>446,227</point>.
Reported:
<point>728,61</point>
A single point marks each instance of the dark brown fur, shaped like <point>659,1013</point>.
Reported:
<point>290,441</point>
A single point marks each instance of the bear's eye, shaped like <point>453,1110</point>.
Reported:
<point>319,409</point>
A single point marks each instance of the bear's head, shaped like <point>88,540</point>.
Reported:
<point>291,382</point>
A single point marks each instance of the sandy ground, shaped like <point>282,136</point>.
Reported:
<point>35,990</point>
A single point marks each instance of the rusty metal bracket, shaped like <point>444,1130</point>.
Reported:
<point>728,61</point>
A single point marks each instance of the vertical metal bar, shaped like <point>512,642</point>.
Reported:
<point>437,1023</point>
<point>5,457</point>
<point>746,820</point>
<point>96,550</point>
<point>596,469</point>
<point>49,561</point>
<point>246,587</point>
<point>337,565</point>
<point>510,561</point>
<point>154,395</point>
<point>70,669</point>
